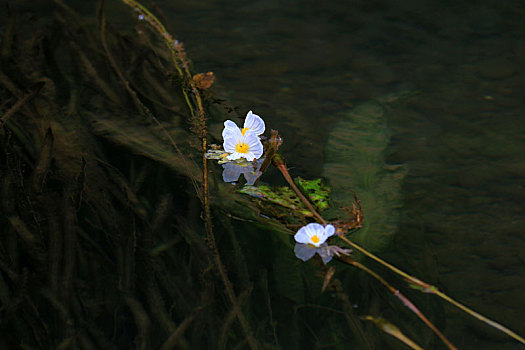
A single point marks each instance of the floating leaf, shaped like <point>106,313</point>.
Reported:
<point>316,191</point>
<point>283,196</point>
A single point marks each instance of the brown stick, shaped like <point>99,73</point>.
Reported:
<point>278,161</point>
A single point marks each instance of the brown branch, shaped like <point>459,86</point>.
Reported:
<point>278,161</point>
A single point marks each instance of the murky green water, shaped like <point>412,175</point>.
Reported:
<point>455,216</point>
<point>304,65</point>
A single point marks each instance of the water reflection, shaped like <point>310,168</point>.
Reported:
<point>250,170</point>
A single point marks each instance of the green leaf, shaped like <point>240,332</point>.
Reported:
<point>315,190</point>
<point>283,196</point>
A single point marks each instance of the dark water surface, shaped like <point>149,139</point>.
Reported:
<point>459,135</point>
<point>304,64</point>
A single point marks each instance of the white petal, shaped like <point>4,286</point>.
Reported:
<point>255,144</point>
<point>257,150</point>
<point>304,251</point>
<point>329,230</point>
<point>231,131</point>
<point>229,144</point>
<point>302,236</point>
<point>314,229</point>
<point>249,156</point>
<point>227,133</point>
<point>228,124</point>
<point>254,123</point>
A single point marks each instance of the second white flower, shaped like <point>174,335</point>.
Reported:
<point>314,234</point>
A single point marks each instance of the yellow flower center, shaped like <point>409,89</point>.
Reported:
<point>315,239</point>
<point>241,147</point>
<point>243,130</point>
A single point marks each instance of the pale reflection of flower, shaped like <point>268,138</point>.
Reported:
<point>233,170</point>
<point>327,252</point>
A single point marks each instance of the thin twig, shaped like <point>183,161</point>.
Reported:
<point>400,296</point>
<point>278,161</point>
<point>181,64</point>
<point>391,329</point>
<point>428,288</point>
<point>425,287</point>
<point>33,91</point>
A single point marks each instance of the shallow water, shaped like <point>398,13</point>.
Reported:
<point>304,66</point>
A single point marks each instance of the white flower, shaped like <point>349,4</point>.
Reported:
<point>314,234</point>
<point>252,122</point>
<point>241,145</point>
<point>244,143</point>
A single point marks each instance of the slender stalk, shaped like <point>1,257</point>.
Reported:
<point>479,316</point>
<point>415,282</point>
<point>278,161</point>
<point>181,63</point>
<point>273,145</point>
<point>428,288</point>
<point>391,329</point>
<point>174,46</point>
<point>400,296</point>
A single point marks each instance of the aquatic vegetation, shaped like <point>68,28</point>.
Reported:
<point>355,161</point>
<point>108,238</point>
<point>281,196</point>
<point>316,191</point>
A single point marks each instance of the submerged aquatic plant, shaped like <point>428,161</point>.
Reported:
<point>90,233</point>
